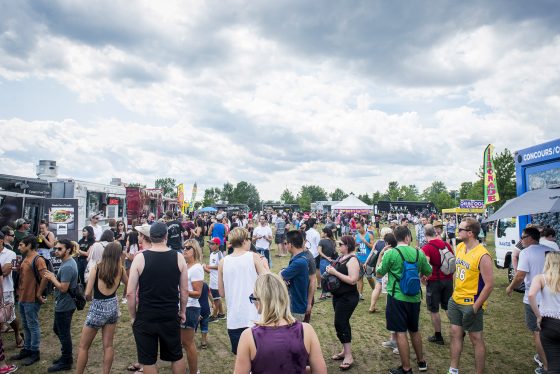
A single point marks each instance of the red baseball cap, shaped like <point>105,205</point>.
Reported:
<point>215,241</point>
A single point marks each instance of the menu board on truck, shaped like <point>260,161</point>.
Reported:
<point>62,217</point>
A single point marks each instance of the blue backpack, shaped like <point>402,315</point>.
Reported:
<point>409,281</point>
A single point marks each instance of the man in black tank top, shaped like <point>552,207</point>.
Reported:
<point>157,274</point>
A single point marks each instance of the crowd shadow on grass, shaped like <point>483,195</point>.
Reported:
<point>509,346</point>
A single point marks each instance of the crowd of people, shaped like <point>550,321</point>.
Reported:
<point>268,316</point>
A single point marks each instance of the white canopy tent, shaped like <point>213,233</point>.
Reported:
<point>352,205</point>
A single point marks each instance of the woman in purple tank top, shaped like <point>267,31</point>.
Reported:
<point>277,343</point>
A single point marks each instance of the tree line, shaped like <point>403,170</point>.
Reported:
<point>438,193</point>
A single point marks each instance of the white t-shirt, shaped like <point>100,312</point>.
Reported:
<point>313,238</point>
<point>97,231</point>
<point>549,243</point>
<point>196,273</point>
<point>215,258</point>
<point>133,249</point>
<point>264,231</point>
<point>531,261</point>
<point>7,256</point>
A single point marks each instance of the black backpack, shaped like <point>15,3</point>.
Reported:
<point>50,287</point>
<point>78,295</point>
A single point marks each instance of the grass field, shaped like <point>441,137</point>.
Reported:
<point>509,346</point>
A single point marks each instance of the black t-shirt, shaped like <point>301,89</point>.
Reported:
<point>174,231</point>
<point>327,246</point>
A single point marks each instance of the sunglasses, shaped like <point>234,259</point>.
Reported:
<point>252,298</point>
<point>188,247</point>
<point>59,249</point>
<point>464,230</point>
<point>524,236</point>
<point>341,243</point>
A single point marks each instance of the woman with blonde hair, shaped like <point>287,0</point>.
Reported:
<point>106,277</point>
<point>278,343</point>
<point>546,286</point>
<point>192,253</point>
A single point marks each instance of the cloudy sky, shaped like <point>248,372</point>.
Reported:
<point>278,93</point>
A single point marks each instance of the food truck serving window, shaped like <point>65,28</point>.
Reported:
<point>113,201</point>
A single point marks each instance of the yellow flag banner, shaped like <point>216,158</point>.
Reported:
<point>491,194</point>
<point>181,194</point>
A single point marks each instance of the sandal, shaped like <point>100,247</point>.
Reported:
<point>134,367</point>
<point>8,369</point>
<point>346,366</point>
<point>337,357</point>
<point>21,342</point>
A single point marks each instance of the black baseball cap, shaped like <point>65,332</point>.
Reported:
<point>158,230</point>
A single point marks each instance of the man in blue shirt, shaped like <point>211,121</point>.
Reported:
<point>296,274</point>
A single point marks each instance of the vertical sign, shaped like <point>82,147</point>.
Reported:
<point>193,196</point>
<point>181,197</point>
<point>491,194</point>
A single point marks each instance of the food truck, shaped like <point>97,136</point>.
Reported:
<point>105,199</point>
<point>143,201</point>
<point>536,167</point>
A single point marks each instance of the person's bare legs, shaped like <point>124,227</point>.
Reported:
<point>456,333</point>
<point>15,326</point>
<point>404,350</point>
<point>436,321</point>
<point>375,296</point>
<point>416,339</point>
<point>88,334</point>
<point>187,340</point>
<point>177,367</point>
<point>477,339</point>
<point>360,286</point>
<point>540,350</point>
<point>108,332</point>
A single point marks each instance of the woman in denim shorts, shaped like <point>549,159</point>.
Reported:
<point>192,253</point>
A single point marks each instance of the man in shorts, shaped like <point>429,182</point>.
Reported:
<point>403,311</point>
<point>531,264</point>
<point>212,268</point>
<point>439,286</point>
<point>157,273</point>
<point>280,235</point>
<point>474,282</point>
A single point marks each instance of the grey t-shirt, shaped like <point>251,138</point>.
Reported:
<point>67,273</point>
<point>280,226</point>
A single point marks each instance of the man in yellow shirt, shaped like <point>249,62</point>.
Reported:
<point>474,282</point>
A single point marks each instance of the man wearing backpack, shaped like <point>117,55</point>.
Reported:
<point>64,307</point>
<point>403,265</point>
<point>30,299</point>
<point>439,286</point>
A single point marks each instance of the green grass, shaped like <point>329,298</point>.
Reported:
<point>508,342</point>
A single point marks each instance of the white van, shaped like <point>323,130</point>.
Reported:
<point>506,236</point>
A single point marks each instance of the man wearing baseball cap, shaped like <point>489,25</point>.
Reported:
<point>94,223</point>
<point>23,226</point>
<point>218,230</point>
<point>157,273</point>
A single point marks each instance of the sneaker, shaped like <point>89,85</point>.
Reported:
<point>399,370</point>
<point>395,351</point>
<point>33,357</point>
<point>24,353</point>
<point>361,297</point>
<point>537,359</point>
<point>213,319</point>
<point>123,301</point>
<point>422,366</point>
<point>540,370</point>
<point>436,339</point>
<point>61,366</point>
<point>389,344</point>
<point>8,369</point>
<point>221,316</point>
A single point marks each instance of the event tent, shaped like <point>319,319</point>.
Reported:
<point>352,205</point>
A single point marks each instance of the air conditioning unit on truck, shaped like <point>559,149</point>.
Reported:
<point>535,168</point>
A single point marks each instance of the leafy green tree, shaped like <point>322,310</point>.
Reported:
<point>376,196</point>
<point>309,194</point>
<point>287,197</point>
<point>476,191</point>
<point>465,190</point>
<point>409,193</point>
<point>211,196</point>
<point>197,205</point>
<point>136,184</point>
<point>168,186</point>
<point>338,194</point>
<point>365,198</point>
<point>437,193</point>
<point>393,191</point>
<point>504,165</point>
<point>227,193</point>
<point>246,193</point>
